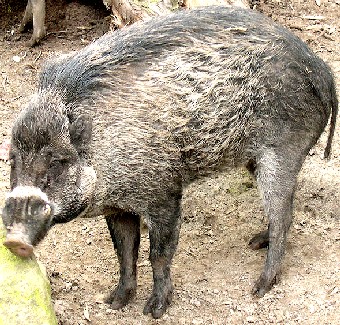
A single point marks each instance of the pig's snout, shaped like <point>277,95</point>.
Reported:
<point>26,215</point>
<point>18,246</point>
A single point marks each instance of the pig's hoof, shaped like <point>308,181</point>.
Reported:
<point>120,297</point>
<point>263,285</point>
<point>260,240</point>
<point>157,304</point>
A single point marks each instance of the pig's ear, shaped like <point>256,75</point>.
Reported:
<point>80,132</point>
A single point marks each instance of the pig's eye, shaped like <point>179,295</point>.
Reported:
<point>57,167</point>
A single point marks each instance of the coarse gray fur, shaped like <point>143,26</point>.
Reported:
<point>212,96</point>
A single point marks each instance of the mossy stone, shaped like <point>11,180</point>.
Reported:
<point>25,294</point>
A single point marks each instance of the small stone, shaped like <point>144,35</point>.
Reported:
<point>312,309</point>
<point>68,286</point>
<point>195,302</point>
<point>16,58</point>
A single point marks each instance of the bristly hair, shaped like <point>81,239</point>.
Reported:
<point>43,121</point>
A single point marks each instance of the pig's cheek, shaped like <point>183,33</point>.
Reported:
<point>87,182</point>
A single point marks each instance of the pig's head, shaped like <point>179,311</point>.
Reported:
<point>50,182</point>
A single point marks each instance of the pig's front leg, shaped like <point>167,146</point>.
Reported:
<point>164,233</point>
<point>125,233</point>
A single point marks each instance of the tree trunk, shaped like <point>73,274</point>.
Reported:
<point>126,12</point>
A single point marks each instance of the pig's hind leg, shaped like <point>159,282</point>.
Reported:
<point>260,240</point>
<point>125,233</point>
<point>276,177</point>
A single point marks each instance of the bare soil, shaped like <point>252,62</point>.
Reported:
<point>213,270</point>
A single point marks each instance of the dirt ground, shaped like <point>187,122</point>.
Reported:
<point>213,270</point>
